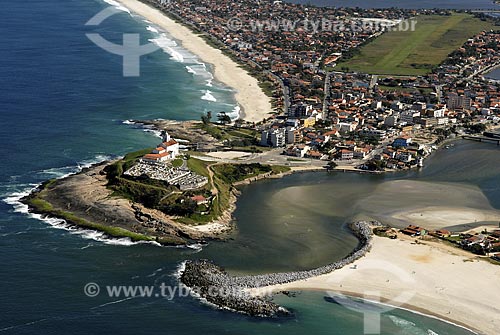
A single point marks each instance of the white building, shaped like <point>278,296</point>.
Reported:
<point>437,113</point>
<point>170,145</point>
<point>273,137</point>
<point>168,149</point>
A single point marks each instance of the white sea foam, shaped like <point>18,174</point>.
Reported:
<point>199,70</point>
<point>14,199</point>
<point>155,132</point>
<point>117,5</point>
<point>179,54</point>
<point>154,273</point>
<point>180,270</point>
<point>169,46</point>
<point>197,247</point>
<point>57,223</point>
<point>397,320</point>
<point>208,96</point>
<point>235,113</point>
<point>408,327</point>
<point>113,302</point>
<point>190,70</point>
<point>401,322</point>
<point>152,29</point>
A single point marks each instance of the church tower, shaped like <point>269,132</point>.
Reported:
<point>165,136</point>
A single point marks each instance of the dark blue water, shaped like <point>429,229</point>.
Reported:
<point>495,74</point>
<point>62,103</point>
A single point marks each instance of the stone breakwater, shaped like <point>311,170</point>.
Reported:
<point>215,285</point>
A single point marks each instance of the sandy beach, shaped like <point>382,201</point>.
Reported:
<point>428,277</point>
<point>254,104</point>
<point>435,217</point>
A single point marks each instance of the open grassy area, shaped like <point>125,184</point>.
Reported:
<point>232,136</point>
<point>416,52</point>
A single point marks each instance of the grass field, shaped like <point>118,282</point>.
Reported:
<point>416,52</point>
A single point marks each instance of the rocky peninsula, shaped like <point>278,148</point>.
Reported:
<point>106,198</point>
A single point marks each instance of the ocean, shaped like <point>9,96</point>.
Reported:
<point>65,105</point>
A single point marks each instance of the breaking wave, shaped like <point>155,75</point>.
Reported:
<point>14,199</point>
<point>208,96</point>
<point>117,5</point>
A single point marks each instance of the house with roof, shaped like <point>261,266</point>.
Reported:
<point>346,154</point>
<point>199,199</point>
<point>413,230</point>
<point>402,141</point>
<point>167,150</point>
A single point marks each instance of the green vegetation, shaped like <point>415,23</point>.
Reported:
<point>476,128</point>
<point>148,192</point>
<point>268,87</point>
<point>232,136</point>
<point>416,52</point>
<point>170,200</point>
<point>198,166</point>
<point>231,173</point>
<point>160,195</point>
<point>177,162</point>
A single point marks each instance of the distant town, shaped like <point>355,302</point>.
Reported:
<point>323,110</point>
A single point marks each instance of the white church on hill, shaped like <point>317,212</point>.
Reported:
<point>167,150</point>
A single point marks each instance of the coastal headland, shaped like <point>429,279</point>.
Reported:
<point>105,198</point>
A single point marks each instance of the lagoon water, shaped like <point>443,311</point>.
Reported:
<point>63,104</point>
<point>495,74</point>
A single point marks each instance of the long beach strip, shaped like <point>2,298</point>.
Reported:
<point>255,105</point>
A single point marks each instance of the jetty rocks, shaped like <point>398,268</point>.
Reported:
<point>213,283</point>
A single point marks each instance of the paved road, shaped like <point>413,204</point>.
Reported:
<point>271,157</point>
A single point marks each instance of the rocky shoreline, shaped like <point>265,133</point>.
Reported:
<point>215,285</point>
<point>83,200</point>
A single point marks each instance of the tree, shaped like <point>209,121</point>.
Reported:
<point>223,118</point>
<point>238,123</point>
<point>206,118</point>
<point>331,165</point>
